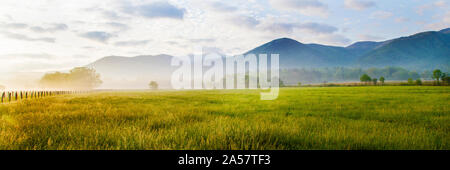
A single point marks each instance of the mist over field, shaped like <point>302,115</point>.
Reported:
<point>224,75</point>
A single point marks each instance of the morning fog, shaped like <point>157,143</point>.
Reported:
<point>213,71</point>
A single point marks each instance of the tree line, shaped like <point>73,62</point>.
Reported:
<point>437,76</point>
<point>81,78</point>
<point>345,74</point>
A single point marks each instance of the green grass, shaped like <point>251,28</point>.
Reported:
<point>301,118</point>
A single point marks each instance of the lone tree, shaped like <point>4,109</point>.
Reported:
<point>153,85</point>
<point>437,75</point>
<point>365,78</point>
<point>410,81</point>
<point>418,82</point>
<point>374,81</point>
<point>382,80</point>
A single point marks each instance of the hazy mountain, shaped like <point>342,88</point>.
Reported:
<point>445,31</point>
<point>295,54</point>
<point>134,72</point>
<point>363,47</point>
<point>426,50</point>
<point>422,50</point>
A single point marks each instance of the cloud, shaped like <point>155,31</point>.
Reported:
<point>366,37</point>
<point>305,7</point>
<point>442,23</point>
<point>244,21</point>
<point>117,25</point>
<point>53,28</point>
<point>318,28</point>
<point>438,4</point>
<point>160,9</point>
<point>14,25</point>
<point>333,39</point>
<point>358,4</point>
<point>284,27</point>
<point>29,55</point>
<point>401,19</point>
<point>98,36</point>
<point>26,38</point>
<point>221,7</point>
<point>381,15</point>
<point>131,43</point>
<point>200,40</point>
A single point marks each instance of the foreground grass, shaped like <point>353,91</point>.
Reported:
<point>301,118</point>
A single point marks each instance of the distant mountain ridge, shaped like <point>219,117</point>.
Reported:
<point>421,51</point>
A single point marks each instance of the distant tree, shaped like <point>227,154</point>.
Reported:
<point>78,78</point>
<point>410,81</point>
<point>299,84</point>
<point>443,76</point>
<point>418,82</point>
<point>365,78</point>
<point>445,79</point>
<point>84,78</point>
<point>153,85</point>
<point>281,83</point>
<point>437,75</point>
<point>382,80</point>
<point>374,81</point>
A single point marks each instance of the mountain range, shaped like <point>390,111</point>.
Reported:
<point>421,51</point>
<point>424,50</point>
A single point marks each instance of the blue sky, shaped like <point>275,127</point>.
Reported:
<point>48,35</point>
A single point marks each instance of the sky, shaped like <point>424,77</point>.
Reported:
<point>52,35</point>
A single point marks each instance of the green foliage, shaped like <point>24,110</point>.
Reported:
<point>446,80</point>
<point>299,84</point>
<point>437,75</point>
<point>77,78</point>
<point>382,79</point>
<point>365,78</point>
<point>153,85</point>
<point>410,81</point>
<point>418,82</point>
<point>374,81</point>
<point>356,118</point>
<point>342,74</point>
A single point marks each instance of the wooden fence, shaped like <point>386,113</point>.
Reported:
<point>9,96</point>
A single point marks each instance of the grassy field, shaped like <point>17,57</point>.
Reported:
<point>301,118</point>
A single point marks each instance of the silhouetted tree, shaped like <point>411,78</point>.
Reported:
<point>437,75</point>
<point>365,78</point>
<point>410,81</point>
<point>153,85</point>
<point>418,82</point>
<point>374,81</point>
<point>382,80</point>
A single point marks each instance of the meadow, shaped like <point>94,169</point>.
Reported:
<point>343,118</point>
